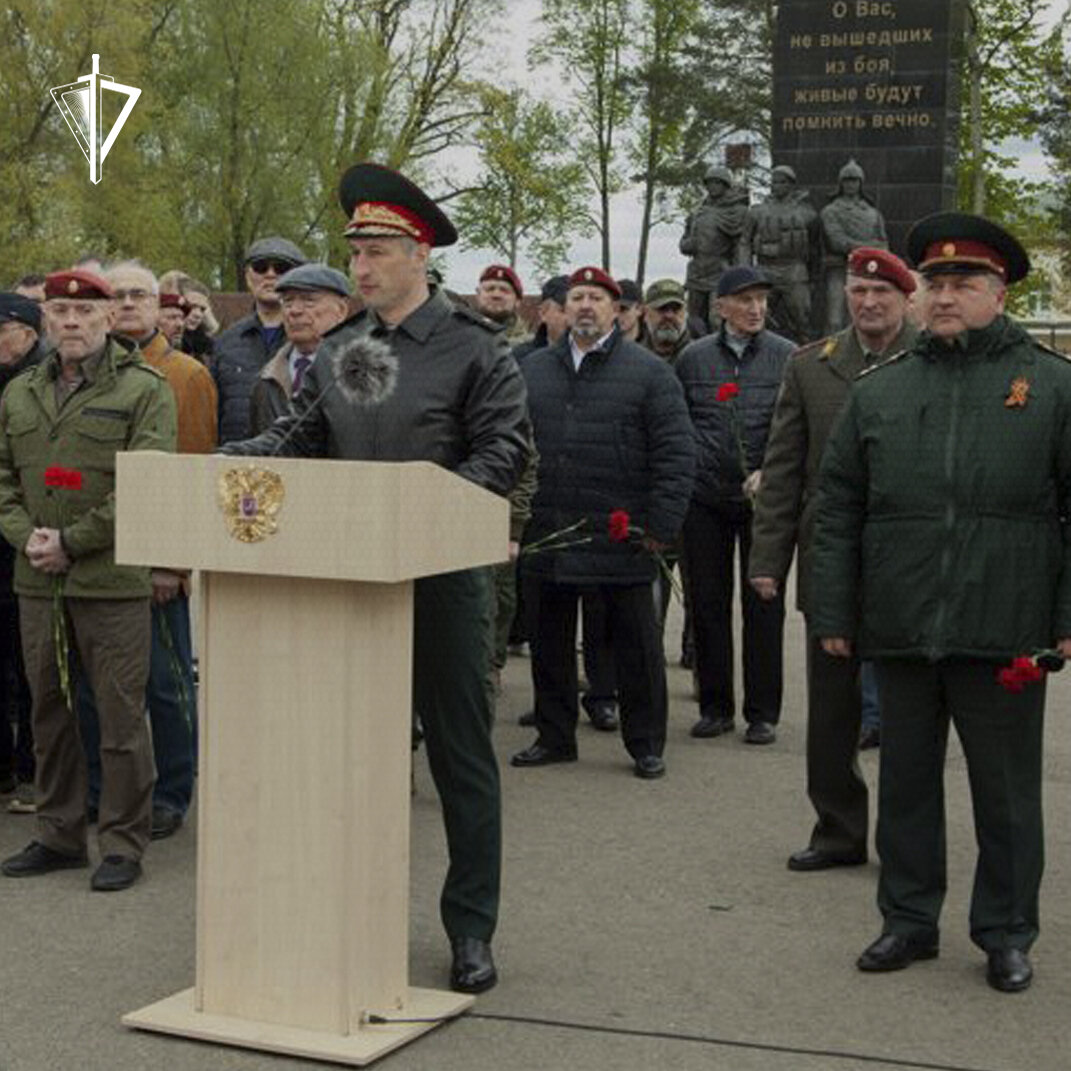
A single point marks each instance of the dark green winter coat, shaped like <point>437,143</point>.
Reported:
<point>57,466</point>
<point>942,516</point>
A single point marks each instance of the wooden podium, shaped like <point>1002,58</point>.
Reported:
<point>305,646</point>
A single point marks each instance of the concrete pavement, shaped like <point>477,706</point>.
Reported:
<point>644,925</point>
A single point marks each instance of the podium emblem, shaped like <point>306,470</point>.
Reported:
<point>80,105</point>
<point>250,499</point>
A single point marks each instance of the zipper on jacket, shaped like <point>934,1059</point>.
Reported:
<point>950,513</point>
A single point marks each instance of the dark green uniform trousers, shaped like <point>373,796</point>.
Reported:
<point>111,638</point>
<point>1001,733</point>
<point>451,652</point>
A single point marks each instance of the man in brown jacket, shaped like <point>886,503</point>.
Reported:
<point>815,387</point>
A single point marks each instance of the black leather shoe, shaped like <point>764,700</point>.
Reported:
<point>473,968</point>
<point>602,715</point>
<point>869,737</point>
<point>894,952</point>
<point>527,719</point>
<point>708,726</point>
<point>114,873</point>
<point>818,859</point>
<point>760,732</point>
<point>650,767</point>
<point>36,859</point>
<point>538,755</point>
<point>165,822</point>
<point>1009,970</point>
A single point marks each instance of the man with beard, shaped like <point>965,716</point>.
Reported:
<point>817,381</point>
<point>498,297</point>
<point>666,319</point>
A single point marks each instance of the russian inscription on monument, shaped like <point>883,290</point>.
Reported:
<point>876,81</point>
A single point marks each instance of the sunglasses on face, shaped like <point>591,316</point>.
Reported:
<point>262,267</point>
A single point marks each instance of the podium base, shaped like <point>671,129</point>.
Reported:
<point>176,1015</point>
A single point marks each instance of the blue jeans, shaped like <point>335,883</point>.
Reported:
<point>172,701</point>
<point>871,708</point>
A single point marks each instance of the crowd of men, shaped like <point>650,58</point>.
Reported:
<point>917,464</point>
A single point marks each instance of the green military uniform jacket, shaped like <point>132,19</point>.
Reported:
<point>817,380</point>
<point>57,466</point>
<point>942,525</point>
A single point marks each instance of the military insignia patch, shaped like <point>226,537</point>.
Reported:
<point>250,499</point>
<point>1017,395</point>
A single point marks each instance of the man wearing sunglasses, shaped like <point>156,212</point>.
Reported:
<point>245,347</point>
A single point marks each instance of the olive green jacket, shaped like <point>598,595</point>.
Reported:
<point>817,380</point>
<point>942,525</point>
<point>57,467</point>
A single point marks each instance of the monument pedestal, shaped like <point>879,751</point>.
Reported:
<point>305,644</point>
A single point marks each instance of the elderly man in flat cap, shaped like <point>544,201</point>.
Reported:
<point>459,401</point>
<point>245,347</point>
<point>315,298</point>
<point>61,426</point>
<point>616,456</point>
<point>942,552</point>
<point>817,380</point>
<point>21,348</point>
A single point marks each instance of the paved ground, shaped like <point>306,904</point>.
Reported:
<point>645,925</point>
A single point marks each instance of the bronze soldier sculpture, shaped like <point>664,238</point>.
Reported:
<point>849,221</point>
<point>711,240</point>
<point>781,239</point>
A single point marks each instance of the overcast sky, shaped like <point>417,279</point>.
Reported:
<point>509,48</point>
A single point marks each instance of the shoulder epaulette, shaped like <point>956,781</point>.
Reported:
<point>1052,351</point>
<point>823,345</point>
<point>145,367</point>
<point>884,364</point>
<point>467,312</point>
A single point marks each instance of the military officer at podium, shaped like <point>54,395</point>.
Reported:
<point>414,376</point>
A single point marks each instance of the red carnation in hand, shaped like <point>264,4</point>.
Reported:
<point>620,524</point>
<point>1019,674</point>
<point>727,391</point>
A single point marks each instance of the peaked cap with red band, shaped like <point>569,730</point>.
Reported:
<point>381,203</point>
<point>77,285</point>
<point>868,263</point>
<point>503,273</point>
<point>174,301</point>
<point>960,243</point>
<point>594,277</point>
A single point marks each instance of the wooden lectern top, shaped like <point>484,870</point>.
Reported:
<point>382,522</point>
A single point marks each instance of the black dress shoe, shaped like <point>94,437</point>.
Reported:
<point>527,719</point>
<point>894,952</point>
<point>650,767</point>
<point>1009,970</point>
<point>165,822</point>
<point>36,858</point>
<point>760,732</point>
<point>869,737</point>
<point>473,968</point>
<point>603,715</point>
<point>538,755</point>
<point>114,873</point>
<point>819,859</point>
<point>712,726</point>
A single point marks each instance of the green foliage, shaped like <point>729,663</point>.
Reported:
<point>533,193</point>
<point>1055,127</point>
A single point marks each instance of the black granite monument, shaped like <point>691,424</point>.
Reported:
<point>877,81</point>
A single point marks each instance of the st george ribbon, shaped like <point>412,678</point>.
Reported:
<point>80,104</point>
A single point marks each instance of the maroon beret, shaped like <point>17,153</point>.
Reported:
<point>503,273</point>
<point>595,277</point>
<point>77,285</point>
<point>174,301</point>
<point>868,263</point>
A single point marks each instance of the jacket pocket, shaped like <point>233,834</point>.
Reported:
<point>98,441</point>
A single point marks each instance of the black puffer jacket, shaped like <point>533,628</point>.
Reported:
<point>240,354</point>
<point>704,367</point>
<point>614,435</point>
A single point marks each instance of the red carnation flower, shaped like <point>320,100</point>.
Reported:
<point>1022,671</point>
<point>620,523</point>
<point>727,391</point>
<point>55,476</point>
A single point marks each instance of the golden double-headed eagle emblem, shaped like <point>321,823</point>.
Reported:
<point>250,499</point>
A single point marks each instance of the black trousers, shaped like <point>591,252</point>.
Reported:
<point>637,650</point>
<point>16,735</point>
<point>711,537</point>
<point>598,649</point>
<point>834,784</point>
